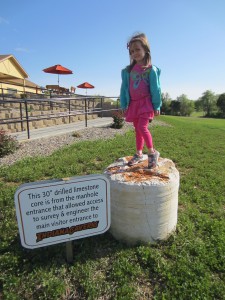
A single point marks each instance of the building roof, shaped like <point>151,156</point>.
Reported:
<point>13,60</point>
<point>9,78</point>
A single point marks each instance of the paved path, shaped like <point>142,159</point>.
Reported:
<point>61,129</point>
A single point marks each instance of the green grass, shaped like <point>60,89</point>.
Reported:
<point>189,265</point>
<point>198,114</point>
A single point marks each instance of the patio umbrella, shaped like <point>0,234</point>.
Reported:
<point>86,86</point>
<point>58,69</point>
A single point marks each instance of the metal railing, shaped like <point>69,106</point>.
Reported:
<point>73,106</point>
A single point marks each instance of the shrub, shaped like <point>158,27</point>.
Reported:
<point>8,144</point>
<point>76,134</point>
<point>118,120</point>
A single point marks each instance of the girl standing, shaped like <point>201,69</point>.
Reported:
<point>140,97</point>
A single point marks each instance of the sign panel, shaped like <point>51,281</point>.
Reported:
<point>56,211</point>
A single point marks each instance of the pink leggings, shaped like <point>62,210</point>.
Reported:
<point>143,135</point>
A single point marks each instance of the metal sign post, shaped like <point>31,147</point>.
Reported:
<point>69,252</point>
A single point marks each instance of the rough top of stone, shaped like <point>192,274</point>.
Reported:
<point>139,174</point>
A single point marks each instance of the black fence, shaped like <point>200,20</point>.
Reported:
<point>66,107</point>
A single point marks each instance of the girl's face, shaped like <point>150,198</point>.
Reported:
<point>137,52</point>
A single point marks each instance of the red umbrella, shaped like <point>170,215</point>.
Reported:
<point>86,86</point>
<point>58,69</point>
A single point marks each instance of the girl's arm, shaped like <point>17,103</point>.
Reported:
<point>124,92</point>
<point>155,88</point>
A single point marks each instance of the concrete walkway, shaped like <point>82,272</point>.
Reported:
<point>61,129</point>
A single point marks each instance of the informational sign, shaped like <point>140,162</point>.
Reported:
<point>56,211</point>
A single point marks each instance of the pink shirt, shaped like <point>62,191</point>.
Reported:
<point>139,82</point>
<point>140,103</point>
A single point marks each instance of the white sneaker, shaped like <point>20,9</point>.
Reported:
<point>153,160</point>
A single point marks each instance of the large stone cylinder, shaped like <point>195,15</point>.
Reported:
<point>144,203</point>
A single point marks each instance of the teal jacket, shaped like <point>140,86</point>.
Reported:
<point>155,88</point>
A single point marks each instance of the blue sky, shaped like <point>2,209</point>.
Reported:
<point>187,39</point>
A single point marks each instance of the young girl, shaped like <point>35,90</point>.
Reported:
<point>140,96</point>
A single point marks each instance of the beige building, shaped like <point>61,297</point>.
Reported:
<point>13,78</point>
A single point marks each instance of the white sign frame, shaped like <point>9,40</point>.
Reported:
<point>56,211</point>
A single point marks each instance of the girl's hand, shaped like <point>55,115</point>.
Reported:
<point>124,112</point>
<point>156,112</point>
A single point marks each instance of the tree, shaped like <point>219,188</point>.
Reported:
<point>186,105</point>
<point>175,107</point>
<point>221,103</point>
<point>198,105</point>
<point>166,102</point>
<point>208,102</point>
<point>165,97</point>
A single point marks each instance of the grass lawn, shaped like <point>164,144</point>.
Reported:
<point>198,114</point>
<point>189,265</point>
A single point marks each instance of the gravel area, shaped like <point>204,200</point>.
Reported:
<point>46,146</point>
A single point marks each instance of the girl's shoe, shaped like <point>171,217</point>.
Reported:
<point>153,160</point>
<point>135,160</point>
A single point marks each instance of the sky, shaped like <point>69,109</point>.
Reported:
<point>187,41</point>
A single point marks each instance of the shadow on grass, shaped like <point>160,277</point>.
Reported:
<point>91,248</point>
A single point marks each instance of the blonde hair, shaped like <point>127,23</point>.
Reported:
<point>140,37</point>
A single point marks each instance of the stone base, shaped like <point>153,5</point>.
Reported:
<point>144,203</point>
